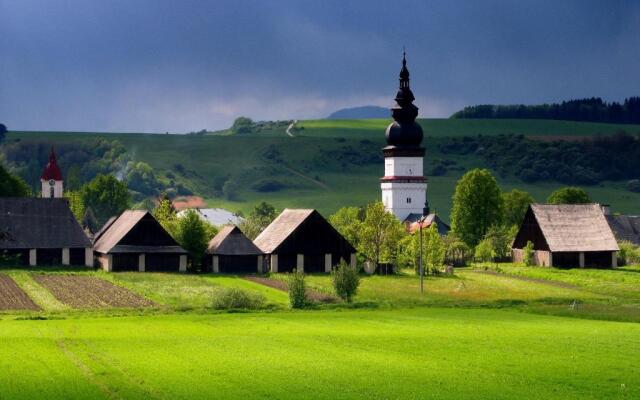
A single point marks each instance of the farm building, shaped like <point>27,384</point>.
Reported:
<point>135,241</point>
<point>567,235</point>
<point>413,223</point>
<point>232,252</point>
<point>304,240</point>
<point>624,227</point>
<point>42,231</point>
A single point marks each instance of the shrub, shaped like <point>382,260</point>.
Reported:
<point>629,253</point>
<point>268,185</point>
<point>528,252</point>
<point>234,298</point>
<point>345,281</point>
<point>297,293</point>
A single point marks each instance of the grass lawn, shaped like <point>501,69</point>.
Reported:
<point>416,353</point>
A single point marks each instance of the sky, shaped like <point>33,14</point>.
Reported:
<point>181,66</point>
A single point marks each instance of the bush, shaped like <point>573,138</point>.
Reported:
<point>629,253</point>
<point>528,252</point>
<point>268,185</point>
<point>297,293</point>
<point>234,298</point>
<point>345,281</point>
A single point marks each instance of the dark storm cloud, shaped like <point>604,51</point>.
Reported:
<point>185,65</point>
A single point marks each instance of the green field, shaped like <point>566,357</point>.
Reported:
<point>312,167</point>
<point>476,334</point>
<point>401,354</point>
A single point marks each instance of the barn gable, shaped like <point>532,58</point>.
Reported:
<point>231,241</point>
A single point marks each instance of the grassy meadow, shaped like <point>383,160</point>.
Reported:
<point>486,332</point>
<point>311,166</point>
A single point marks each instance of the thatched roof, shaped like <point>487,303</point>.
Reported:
<point>625,227</point>
<point>109,238</point>
<point>574,227</point>
<point>37,223</point>
<point>281,227</point>
<point>230,241</point>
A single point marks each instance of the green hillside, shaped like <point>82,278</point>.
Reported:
<point>331,163</point>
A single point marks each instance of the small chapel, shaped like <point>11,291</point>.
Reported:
<point>51,178</point>
<point>404,186</point>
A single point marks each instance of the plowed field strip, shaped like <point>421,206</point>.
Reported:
<point>90,292</point>
<point>12,297</point>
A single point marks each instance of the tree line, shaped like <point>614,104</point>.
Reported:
<point>592,109</point>
<point>584,162</point>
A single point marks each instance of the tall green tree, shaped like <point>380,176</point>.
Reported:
<point>193,237</point>
<point>166,215</point>
<point>569,195</point>
<point>515,205</point>
<point>3,132</point>
<point>12,185</point>
<point>380,235</point>
<point>477,204</point>
<point>259,218</point>
<point>75,204</point>
<point>106,196</point>
<point>348,221</point>
<point>434,249</point>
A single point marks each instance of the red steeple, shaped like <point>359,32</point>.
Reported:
<point>52,171</point>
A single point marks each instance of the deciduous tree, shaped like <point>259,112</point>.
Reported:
<point>106,196</point>
<point>477,204</point>
<point>515,205</point>
<point>569,195</point>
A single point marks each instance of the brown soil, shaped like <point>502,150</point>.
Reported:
<point>282,285</point>
<point>534,280</point>
<point>14,298</point>
<point>90,292</point>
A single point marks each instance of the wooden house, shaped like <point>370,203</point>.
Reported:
<point>42,231</point>
<point>412,223</point>
<point>567,235</point>
<point>305,241</point>
<point>232,252</point>
<point>135,241</point>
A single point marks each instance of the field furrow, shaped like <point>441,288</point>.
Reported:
<point>12,297</point>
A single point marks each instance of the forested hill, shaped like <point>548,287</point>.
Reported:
<point>592,110</point>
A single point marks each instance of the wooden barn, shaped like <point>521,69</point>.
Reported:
<point>232,252</point>
<point>303,240</point>
<point>42,231</point>
<point>624,227</point>
<point>567,235</point>
<point>135,241</point>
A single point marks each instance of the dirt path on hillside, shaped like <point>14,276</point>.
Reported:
<point>282,285</point>
<point>290,127</point>
<point>310,179</point>
<point>534,280</point>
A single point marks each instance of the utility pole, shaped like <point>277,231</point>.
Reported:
<point>420,222</point>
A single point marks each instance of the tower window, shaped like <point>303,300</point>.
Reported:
<point>408,200</point>
<point>51,192</point>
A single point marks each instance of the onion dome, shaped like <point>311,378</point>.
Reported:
<point>404,131</point>
<point>52,171</point>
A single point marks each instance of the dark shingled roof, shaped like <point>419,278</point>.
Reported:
<point>37,223</point>
<point>109,237</point>
<point>625,227</point>
<point>230,241</point>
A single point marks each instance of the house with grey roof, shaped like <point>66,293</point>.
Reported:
<point>303,240</point>
<point>567,235</point>
<point>135,241</point>
<point>42,231</point>
<point>232,252</point>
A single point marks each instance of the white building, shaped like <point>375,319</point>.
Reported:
<point>216,216</point>
<point>51,179</point>
<point>404,187</point>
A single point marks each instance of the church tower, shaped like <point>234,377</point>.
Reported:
<point>51,179</point>
<point>404,187</point>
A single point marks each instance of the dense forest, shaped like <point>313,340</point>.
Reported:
<point>592,110</point>
<point>584,162</point>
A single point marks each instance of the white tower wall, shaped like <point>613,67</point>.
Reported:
<point>46,189</point>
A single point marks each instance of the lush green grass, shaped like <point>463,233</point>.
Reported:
<point>418,353</point>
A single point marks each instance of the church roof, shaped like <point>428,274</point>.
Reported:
<point>37,223</point>
<point>404,132</point>
<point>51,170</point>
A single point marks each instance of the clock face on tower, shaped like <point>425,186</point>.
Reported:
<point>52,182</point>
